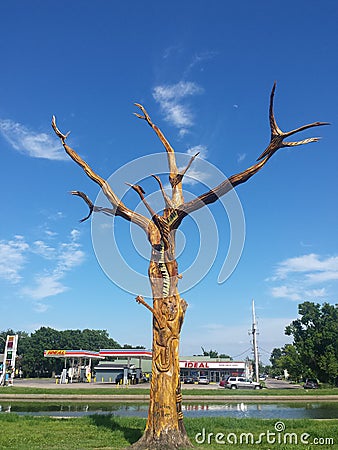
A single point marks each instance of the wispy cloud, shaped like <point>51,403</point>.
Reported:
<point>194,175</point>
<point>286,292</point>
<point>302,277</point>
<point>31,143</point>
<point>241,157</point>
<point>171,97</point>
<point>198,59</point>
<point>13,258</point>
<point>66,256</point>
<point>17,253</point>
<point>311,265</point>
<point>201,149</point>
<point>45,286</point>
<point>43,249</point>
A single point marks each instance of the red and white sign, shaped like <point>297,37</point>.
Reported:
<point>57,353</point>
<point>211,365</point>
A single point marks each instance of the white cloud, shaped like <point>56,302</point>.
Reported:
<point>45,286</point>
<point>322,277</point>
<point>286,292</point>
<point>182,132</point>
<point>316,293</point>
<point>67,255</point>
<point>50,233</point>
<point>170,98</point>
<point>16,253</point>
<point>302,277</point>
<point>31,143</point>
<point>176,92</point>
<point>40,307</point>
<point>201,149</point>
<point>194,175</point>
<point>198,59</point>
<point>241,157</point>
<point>12,258</point>
<point>311,264</point>
<point>44,250</point>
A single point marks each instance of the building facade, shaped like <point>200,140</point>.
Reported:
<point>215,369</point>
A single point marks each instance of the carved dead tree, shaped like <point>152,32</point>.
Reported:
<point>165,428</point>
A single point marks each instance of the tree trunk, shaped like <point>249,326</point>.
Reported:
<point>165,428</point>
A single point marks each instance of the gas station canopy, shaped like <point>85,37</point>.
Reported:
<point>126,353</point>
<point>72,354</point>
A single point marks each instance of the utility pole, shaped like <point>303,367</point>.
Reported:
<point>254,341</point>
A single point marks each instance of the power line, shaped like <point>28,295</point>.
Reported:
<point>266,351</point>
<point>245,351</point>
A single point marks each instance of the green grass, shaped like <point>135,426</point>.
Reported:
<point>110,432</point>
<point>142,391</point>
<point>262,392</point>
<point>73,391</point>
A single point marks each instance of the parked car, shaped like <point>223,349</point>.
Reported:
<point>222,382</point>
<point>188,380</point>
<point>310,384</point>
<point>241,383</point>
<point>203,380</point>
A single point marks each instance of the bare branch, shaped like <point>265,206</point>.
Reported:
<point>305,127</point>
<point>87,200</point>
<point>119,208</point>
<point>278,136</point>
<point>273,125</point>
<point>173,170</point>
<point>167,146</point>
<point>141,193</point>
<point>304,141</point>
<point>92,207</point>
<point>276,142</point>
<point>167,201</point>
<point>140,300</point>
<point>179,177</point>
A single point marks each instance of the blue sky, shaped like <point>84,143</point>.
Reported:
<point>204,71</point>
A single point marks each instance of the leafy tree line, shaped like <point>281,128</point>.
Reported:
<point>214,354</point>
<point>31,347</point>
<point>314,351</point>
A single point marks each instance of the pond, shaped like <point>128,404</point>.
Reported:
<point>313,410</point>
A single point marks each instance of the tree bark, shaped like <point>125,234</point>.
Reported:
<point>165,428</point>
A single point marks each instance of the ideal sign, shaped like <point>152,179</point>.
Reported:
<point>211,365</point>
<point>196,365</point>
<point>55,352</point>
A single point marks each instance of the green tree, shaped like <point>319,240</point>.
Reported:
<point>210,353</point>
<point>287,358</point>
<point>315,338</point>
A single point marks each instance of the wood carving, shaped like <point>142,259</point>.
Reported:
<point>165,428</point>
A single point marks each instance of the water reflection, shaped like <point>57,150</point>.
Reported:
<point>313,410</point>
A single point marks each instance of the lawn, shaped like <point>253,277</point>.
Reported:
<point>111,432</point>
<point>113,390</point>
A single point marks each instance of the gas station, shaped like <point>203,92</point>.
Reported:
<point>79,364</point>
<point>133,366</point>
